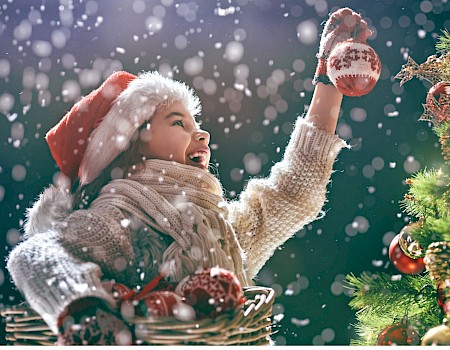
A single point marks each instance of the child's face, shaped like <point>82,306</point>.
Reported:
<point>174,135</point>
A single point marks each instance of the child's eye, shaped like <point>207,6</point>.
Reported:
<point>178,122</point>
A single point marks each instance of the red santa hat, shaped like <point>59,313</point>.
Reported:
<point>101,125</point>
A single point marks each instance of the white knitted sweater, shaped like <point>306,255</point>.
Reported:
<point>66,253</point>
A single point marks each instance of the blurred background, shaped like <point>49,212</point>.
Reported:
<point>252,62</point>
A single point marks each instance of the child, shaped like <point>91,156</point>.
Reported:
<point>146,203</point>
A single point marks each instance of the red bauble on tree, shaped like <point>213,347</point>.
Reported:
<point>211,291</point>
<point>399,334</point>
<point>401,261</point>
<point>438,102</point>
<point>354,68</point>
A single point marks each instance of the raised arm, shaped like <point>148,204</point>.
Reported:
<point>325,105</point>
<point>324,109</point>
<point>271,210</point>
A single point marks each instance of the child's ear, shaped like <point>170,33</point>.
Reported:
<point>143,141</point>
<point>144,133</point>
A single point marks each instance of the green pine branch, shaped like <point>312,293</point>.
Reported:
<point>442,130</point>
<point>433,230</point>
<point>443,43</point>
<point>383,300</point>
<point>428,200</point>
<point>427,195</point>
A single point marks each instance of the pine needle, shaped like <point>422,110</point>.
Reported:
<point>426,195</point>
<point>383,300</point>
<point>443,43</point>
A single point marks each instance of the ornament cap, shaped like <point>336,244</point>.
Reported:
<point>408,245</point>
<point>402,262</point>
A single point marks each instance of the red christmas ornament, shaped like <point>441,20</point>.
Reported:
<point>163,303</point>
<point>399,334</point>
<point>438,101</point>
<point>117,290</point>
<point>211,291</point>
<point>354,68</point>
<point>402,262</point>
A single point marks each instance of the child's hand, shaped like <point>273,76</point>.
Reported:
<point>343,24</point>
<point>93,325</point>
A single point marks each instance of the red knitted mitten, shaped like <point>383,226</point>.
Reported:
<point>342,24</point>
<point>89,321</point>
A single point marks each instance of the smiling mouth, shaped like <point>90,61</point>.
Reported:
<point>200,159</point>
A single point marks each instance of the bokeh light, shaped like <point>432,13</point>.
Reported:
<point>251,63</point>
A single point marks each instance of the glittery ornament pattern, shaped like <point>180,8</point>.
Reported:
<point>434,69</point>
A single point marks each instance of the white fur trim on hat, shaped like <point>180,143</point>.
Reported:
<point>132,108</point>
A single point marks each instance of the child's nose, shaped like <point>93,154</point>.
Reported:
<point>202,135</point>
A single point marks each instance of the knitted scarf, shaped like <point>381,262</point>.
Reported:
<point>187,204</point>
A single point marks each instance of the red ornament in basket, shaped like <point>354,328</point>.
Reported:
<point>212,291</point>
<point>156,299</point>
<point>117,290</point>
<point>354,68</point>
<point>164,304</point>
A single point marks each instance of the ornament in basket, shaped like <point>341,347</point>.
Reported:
<point>240,316</point>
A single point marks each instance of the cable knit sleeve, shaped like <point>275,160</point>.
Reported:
<point>269,211</point>
<point>100,234</point>
<point>63,261</point>
<point>50,278</point>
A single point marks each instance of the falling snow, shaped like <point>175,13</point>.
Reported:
<point>251,63</point>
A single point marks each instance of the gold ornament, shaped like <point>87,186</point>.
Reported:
<point>409,70</point>
<point>436,260</point>
<point>439,335</point>
<point>435,69</point>
<point>428,114</point>
<point>408,245</point>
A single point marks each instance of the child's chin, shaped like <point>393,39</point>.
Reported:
<point>202,167</point>
<point>199,165</point>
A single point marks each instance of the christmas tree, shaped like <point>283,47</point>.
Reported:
<point>413,307</point>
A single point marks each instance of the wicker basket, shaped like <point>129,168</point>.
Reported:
<point>250,325</point>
